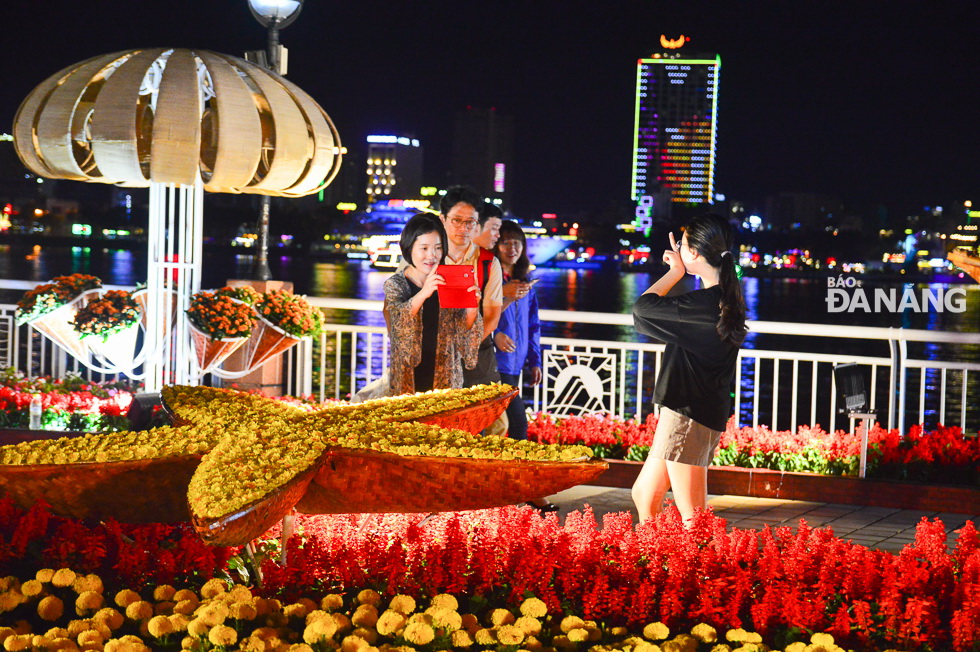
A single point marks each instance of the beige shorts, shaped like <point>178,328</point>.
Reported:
<point>681,439</point>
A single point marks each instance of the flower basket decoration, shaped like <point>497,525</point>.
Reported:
<point>51,307</point>
<point>283,320</point>
<point>141,295</point>
<point>219,326</point>
<point>109,325</point>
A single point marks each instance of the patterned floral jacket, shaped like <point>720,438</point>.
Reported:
<point>456,344</point>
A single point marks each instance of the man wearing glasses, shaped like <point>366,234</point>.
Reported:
<point>461,213</point>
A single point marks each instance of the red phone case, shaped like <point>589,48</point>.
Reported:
<point>454,294</point>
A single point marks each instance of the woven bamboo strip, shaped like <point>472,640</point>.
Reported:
<point>54,122</point>
<point>177,122</point>
<point>25,122</point>
<point>290,138</point>
<point>324,144</point>
<point>114,125</point>
<point>238,128</point>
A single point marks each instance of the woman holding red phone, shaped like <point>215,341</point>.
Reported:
<point>429,345</point>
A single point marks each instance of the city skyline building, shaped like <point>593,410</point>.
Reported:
<point>675,131</point>
<point>483,153</point>
<point>394,167</point>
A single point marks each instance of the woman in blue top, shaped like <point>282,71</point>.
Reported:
<point>703,330</point>
<point>518,335</point>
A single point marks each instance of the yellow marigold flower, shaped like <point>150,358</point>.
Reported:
<point>365,615</point>
<point>10,600</point>
<point>647,646</point>
<point>578,635</point>
<point>222,635</point>
<point>752,647</point>
<point>343,623</point>
<point>798,646</point>
<point>619,631</point>
<point>369,596</point>
<point>17,642</point>
<point>240,593</point>
<point>445,618</point>
<point>159,626</point>
<point>163,608</point>
<point>268,606</point>
<point>298,647</point>
<point>403,604</point>
<point>532,644</point>
<point>295,610</point>
<point>184,594</point>
<point>390,622</point>
<point>164,593</point>
<point>529,625</point>
<point>369,634</point>
<point>418,633</point>
<point>198,627</point>
<point>534,607</point>
<point>461,638</point>
<point>318,629</point>
<point>44,575</point>
<point>50,608</point>
<point>31,588</point>
<point>179,622</point>
<point>563,643</point>
<point>251,644</point>
<point>500,617</point>
<point>568,623</point>
<point>821,638</point>
<point>510,635</point>
<point>54,632</point>
<point>186,607</point>
<point>90,637</point>
<point>87,602</point>
<point>444,600</point>
<point>705,633</point>
<point>63,577</point>
<point>656,631</point>
<point>62,643</point>
<point>213,588</point>
<point>485,637</point>
<point>470,623</point>
<point>126,597</point>
<point>353,643</point>
<point>109,617</point>
<point>243,611</point>
<point>139,610</point>
<point>332,602</point>
<point>213,613</point>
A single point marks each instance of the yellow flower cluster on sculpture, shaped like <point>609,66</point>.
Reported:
<point>252,445</point>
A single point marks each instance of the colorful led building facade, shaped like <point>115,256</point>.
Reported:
<point>394,167</point>
<point>674,139</point>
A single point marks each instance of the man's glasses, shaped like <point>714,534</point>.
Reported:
<point>462,224</point>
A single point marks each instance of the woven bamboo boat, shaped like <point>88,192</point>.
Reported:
<point>131,491</point>
<point>471,418</point>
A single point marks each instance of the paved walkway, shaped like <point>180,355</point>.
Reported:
<point>875,527</point>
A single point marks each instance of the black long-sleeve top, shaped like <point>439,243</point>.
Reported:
<point>698,367</point>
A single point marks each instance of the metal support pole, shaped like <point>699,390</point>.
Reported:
<point>260,269</point>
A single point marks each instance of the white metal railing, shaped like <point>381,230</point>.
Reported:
<point>780,388</point>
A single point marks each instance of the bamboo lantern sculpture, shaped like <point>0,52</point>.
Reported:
<point>179,122</point>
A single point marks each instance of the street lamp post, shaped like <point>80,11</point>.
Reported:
<point>273,15</point>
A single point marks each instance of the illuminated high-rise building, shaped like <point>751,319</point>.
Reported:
<point>483,152</point>
<point>675,132</point>
<point>394,167</point>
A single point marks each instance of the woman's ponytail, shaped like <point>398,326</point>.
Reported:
<point>711,236</point>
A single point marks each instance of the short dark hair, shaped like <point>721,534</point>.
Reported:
<point>490,210</point>
<point>461,194</point>
<point>418,226</point>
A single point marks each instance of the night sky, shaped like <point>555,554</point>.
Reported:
<point>868,101</point>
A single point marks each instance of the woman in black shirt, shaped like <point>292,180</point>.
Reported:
<point>703,330</point>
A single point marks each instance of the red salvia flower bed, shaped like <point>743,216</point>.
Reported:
<point>775,581</point>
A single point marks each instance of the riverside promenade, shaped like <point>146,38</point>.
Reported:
<point>884,528</point>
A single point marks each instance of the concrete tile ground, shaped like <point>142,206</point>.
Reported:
<point>878,527</point>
